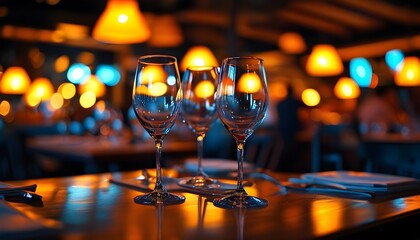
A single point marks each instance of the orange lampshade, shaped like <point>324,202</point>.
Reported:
<point>198,56</point>
<point>292,43</point>
<point>15,80</point>
<point>121,23</point>
<point>346,88</point>
<point>324,61</point>
<point>409,75</point>
<point>166,32</point>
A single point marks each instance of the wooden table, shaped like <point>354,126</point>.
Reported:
<point>97,154</point>
<point>90,207</point>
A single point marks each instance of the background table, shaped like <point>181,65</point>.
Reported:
<point>90,207</point>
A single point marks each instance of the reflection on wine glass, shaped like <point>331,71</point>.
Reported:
<point>157,100</point>
<point>199,112</point>
<point>242,101</point>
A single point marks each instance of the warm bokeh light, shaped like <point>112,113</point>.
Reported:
<point>121,23</point>
<point>87,99</point>
<point>310,97</point>
<point>5,108</point>
<point>361,71</point>
<point>15,80</point>
<point>249,83</point>
<point>346,88</point>
<point>409,75</point>
<point>56,101</point>
<point>155,89</point>
<point>324,61</point>
<point>78,73</point>
<point>204,89</point>
<point>42,88</point>
<point>67,90</point>
<point>278,90</point>
<point>198,56</point>
<point>292,43</point>
<point>86,58</point>
<point>93,85</point>
<point>375,81</point>
<point>62,63</point>
<point>394,59</point>
<point>32,99</point>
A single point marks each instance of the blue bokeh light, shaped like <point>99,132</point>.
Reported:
<point>361,71</point>
<point>394,59</point>
<point>108,74</point>
<point>78,73</point>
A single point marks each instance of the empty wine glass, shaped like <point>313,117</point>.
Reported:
<point>157,97</point>
<point>242,101</point>
<point>199,112</point>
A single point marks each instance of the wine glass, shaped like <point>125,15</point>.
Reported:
<point>157,97</point>
<point>242,101</point>
<point>199,112</point>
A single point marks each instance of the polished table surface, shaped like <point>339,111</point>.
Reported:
<point>91,207</point>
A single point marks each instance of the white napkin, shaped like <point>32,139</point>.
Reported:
<point>363,181</point>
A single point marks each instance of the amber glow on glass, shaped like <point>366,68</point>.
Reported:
<point>324,61</point>
<point>15,80</point>
<point>249,83</point>
<point>409,75</point>
<point>87,99</point>
<point>292,43</point>
<point>152,74</point>
<point>204,89</point>
<point>310,97</point>
<point>67,90</point>
<point>5,108</point>
<point>198,56</point>
<point>94,85</point>
<point>121,23</point>
<point>346,88</point>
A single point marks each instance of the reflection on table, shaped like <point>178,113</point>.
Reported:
<point>90,207</point>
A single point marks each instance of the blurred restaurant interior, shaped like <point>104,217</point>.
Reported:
<point>358,110</point>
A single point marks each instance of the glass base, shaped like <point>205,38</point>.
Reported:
<point>240,199</point>
<point>201,182</point>
<point>158,197</point>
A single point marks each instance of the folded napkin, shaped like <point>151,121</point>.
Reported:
<point>16,225</point>
<point>354,184</point>
<point>27,192</point>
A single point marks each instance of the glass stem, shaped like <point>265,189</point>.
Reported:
<point>200,138</point>
<point>240,156</point>
<point>159,186</point>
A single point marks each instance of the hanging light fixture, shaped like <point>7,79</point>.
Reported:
<point>198,56</point>
<point>15,80</point>
<point>409,75</point>
<point>346,88</point>
<point>324,61</point>
<point>292,43</point>
<point>121,23</point>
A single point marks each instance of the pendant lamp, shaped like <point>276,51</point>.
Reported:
<point>409,75</point>
<point>121,23</point>
<point>15,80</point>
<point>324,61</point>
<point>198,56</point>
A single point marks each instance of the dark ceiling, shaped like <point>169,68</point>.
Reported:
<point>243,25</point>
